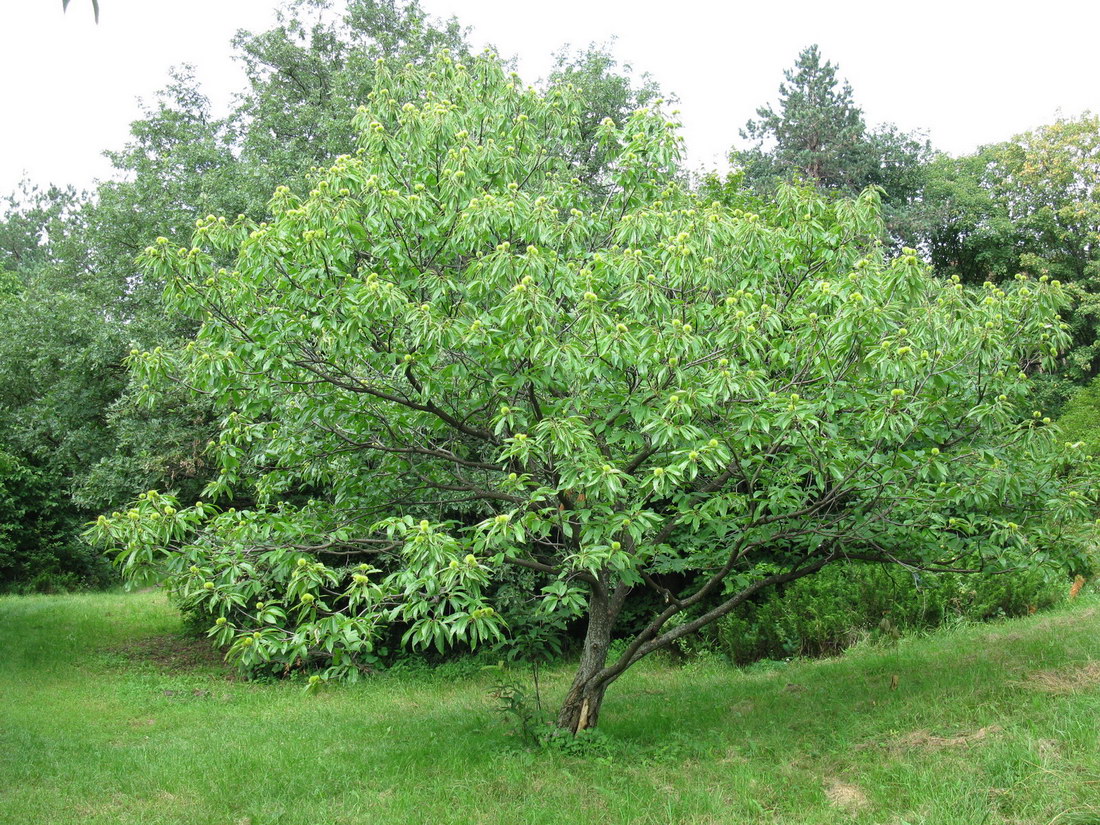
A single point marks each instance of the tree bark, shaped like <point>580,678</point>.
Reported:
<point>581,708</point>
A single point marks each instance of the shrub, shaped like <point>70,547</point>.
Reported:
<point>40,547</point>
<point>1080,420</point>
<point>824,614</point>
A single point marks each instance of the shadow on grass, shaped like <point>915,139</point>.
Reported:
<point>174,653</point>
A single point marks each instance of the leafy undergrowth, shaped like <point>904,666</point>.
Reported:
<point>110,716</point>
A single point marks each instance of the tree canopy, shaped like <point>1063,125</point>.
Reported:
<point>80,302</point>
<point>450,357</point>
<point>305,76</point>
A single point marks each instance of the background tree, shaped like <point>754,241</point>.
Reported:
<point>1080,419</point>
<point>1031,204</point>
<point>81,303</point>
<point>40,547</point>
<point>307,74</point>
<point>49,413</point>
<point>608,91</point>
<point>817,131</point>
<point>818,134</point>
<point>54,337</point>
<point>969,236</point>
<point>448,359</point>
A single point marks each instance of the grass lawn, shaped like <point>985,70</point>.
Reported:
<point>108,715</point>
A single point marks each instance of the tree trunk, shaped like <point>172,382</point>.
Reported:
<point>581,708</point>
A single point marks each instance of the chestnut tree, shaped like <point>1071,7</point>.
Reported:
<point>450,357</point>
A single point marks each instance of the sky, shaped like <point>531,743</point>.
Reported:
<point>967,72</point>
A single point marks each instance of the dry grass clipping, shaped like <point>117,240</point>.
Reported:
<point>924,740</point>
<point>846,796</point>
<point>1075,589</point>
<point>1063,682</point>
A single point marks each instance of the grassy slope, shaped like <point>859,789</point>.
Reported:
<point>993,724</point>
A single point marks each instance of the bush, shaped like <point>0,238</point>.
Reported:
<point>824,614</point>
<point>40,548</point>
<point>1080,420</point>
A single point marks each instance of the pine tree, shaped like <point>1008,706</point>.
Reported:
<point>817,132</point>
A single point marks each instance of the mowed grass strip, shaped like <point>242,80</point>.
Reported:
<point>110,715</point>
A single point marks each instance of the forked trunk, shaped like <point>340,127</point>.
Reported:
<point>581,708</point>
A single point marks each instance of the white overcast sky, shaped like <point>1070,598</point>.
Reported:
<point>967,71</point>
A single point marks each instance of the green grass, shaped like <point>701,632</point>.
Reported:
<point>108,716</point>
